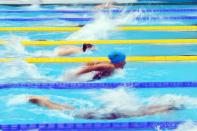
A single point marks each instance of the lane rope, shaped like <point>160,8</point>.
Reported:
<point>97,3</point>
<point>91,19</point>
<point>124,28</point>
<point>94,11</point>
<point>62,85</point>
<point>70,42</point>
<point>94,126</point>
<point>90,59</point>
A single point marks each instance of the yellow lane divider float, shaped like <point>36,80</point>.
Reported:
<point>89,59</point>
<point>69,42</point>
<point>123,28</point>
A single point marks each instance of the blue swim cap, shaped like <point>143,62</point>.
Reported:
<point>117,57</point>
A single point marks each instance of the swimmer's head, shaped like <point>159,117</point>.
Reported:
<point>87,46</point>
<point>34,101</point>
<point>118,59</point>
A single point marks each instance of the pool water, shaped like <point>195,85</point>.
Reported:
<point>16,110</point>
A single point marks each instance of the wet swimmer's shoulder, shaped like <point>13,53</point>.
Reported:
<point>104,66</point>
<point>38,97</point>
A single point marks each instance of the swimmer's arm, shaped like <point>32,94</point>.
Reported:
<point>95,68</point>
<point>152,110</point>
<point>69,107</point>
<point>46,102</point>
<point>56,106</point>
<point>65,52</point>
<point>70,51</point>
<point>93,63</point>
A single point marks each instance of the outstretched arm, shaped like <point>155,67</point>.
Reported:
<point>45,102</point>
<point>153,110</point>
<point>56,106</point>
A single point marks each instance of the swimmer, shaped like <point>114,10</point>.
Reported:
<point>143,111</point>
<point>46,102</point>
<point>104,69</point>
<point>69,49</point>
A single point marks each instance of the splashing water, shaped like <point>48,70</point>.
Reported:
<point>13,46</point>
<point>187,126</point>
<point>119,99</point>
<point>102,26</point>
<point>70,76</point>
<point>176,100</point>
<point>123,99</point>
<point>20,70</point>
<point>17,100</point>
<point>44,53</point>
<point>119,73</point>
<point>35,5</point>
<point>96,30</point>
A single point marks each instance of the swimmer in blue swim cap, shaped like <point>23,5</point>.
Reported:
<point>105,69</point>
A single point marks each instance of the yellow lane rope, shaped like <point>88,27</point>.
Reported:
<point>123,28</point>
<point>69,42</point>
<point>89,59</point>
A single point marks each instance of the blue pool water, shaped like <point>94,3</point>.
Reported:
<point>15,109</point>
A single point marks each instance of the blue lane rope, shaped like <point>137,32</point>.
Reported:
<point>119,4</point>
<point>90,19</point>
<point>62,85</point>
<point>89,11</point>
<point>93,126</point>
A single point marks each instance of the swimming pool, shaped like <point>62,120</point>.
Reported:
<point>17,111</point>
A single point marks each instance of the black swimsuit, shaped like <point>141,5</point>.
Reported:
<point>102,74</point>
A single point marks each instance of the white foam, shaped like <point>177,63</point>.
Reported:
<point>119,99</point>
<point>122,99</point>
<point>13,45</point>
<point>97,30</point>
<point>171,99</point>
<point>70,76</point>
<point>17,100</point>
<point>187,126</point>
<point>35,5</point>
<point>119,73</point>
<point>44,53</point>
<point>21,70</point>
<point>102,26</point>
